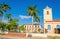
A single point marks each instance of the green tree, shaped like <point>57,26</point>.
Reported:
<point>8,16</point>
<point>32,11</point>
<point>36,19</point>
<point>3,8</point>
<point>22,28</point>
<point>1,14</point>
<point>1,24</point>
<point>4,27</point>
<point>13,24</point>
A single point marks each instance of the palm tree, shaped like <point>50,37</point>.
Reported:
<point>36,19</point>
<point>8,16</point>
<point>1,14</point>
<point>3,8</point>
<point>32,11</point>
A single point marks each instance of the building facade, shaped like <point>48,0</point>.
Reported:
<point>32,28</point>
<point>50,26</point>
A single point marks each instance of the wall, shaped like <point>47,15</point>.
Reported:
<point>53,25</point>
<point>36,35</point>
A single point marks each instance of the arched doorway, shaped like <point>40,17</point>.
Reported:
<point>58,29</point>
<point>58,26</point>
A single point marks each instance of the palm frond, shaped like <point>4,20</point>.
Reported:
<point>29,12</point>
<point>32,11</point>
<point>35,6</point>
<point>5,7</point>
<point>37,19</point>
<point>36,11</point>
<point>8,15</point>
<point>30,7</point>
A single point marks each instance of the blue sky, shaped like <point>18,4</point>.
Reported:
<point>20,7</point>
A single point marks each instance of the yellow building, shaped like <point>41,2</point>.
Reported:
<point>32,28</point>
<point>50,26</point>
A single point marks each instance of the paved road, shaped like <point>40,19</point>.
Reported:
<point>1,37</point>
<point>9,38</point>
<point>22,38</point>
<point>5,37</point>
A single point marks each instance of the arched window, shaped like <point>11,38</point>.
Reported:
<point>47,12</point>
<point>49,27</point>
<point>58,26</point>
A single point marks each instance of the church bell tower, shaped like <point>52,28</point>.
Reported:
<point>47,14</point>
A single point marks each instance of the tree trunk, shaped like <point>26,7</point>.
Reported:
<point>2,18</point>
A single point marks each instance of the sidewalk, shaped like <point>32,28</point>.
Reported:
<point>10,37</point>
<point>15,34</point>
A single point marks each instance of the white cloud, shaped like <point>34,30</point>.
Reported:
<point>24,17</point>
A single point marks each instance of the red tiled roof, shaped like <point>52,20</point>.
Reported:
<point>54,21</point>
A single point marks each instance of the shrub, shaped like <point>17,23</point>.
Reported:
<point>54,37</point>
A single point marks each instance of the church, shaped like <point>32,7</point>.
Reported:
<point>50,26</point>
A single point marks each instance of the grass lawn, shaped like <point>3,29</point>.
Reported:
<point>53,37</point>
